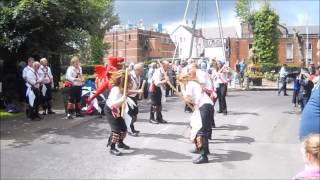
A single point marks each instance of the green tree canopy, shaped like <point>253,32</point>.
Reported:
<point>266,34</point>
<point>42,27</point>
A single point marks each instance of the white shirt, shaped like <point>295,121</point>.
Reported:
<point>114,96</point>
<point>45,73</point>
<point>150,74</point>
<point>157,77</point>
<point>24,72</point>
<point>204,78</point>
<point>199,98</point>
<point>283,72</point>
<point>32,78</point>
<point>135,83</point>
<point>72,75</point>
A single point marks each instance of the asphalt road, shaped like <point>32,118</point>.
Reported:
<point>257,139</point>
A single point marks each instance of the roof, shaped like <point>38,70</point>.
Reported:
<point>301,29</point>
<point>213,32</point>
<point>198,32</point>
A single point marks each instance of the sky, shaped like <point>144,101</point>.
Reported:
<point>170,12</point>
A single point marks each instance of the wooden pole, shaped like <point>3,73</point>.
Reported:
<point>125,91</point>
<point>142,88</point>
<point>176,91</point>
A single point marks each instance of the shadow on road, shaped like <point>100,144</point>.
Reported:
<point>242,113</point>
<point>159,154</point>
<point>296,112</point>
<point>230,127</point>
<point>229,156</point>
<point>236,139</point>
<point>163,136</point>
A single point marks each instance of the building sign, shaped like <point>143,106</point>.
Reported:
<point>209,43</point>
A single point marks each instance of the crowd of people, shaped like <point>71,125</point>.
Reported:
<point>200,84</point>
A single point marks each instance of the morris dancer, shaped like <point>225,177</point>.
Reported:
<point>133,93</point>
<point>201,117</point>
<point>103,74</point>
<point>159,79</point>
<point>46,91</point>
<point>33,91</point>
<point>113,114</point>
<point>74,76</point>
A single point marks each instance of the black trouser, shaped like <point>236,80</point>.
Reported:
<point>46,100</point>
<point>283,87</point>
<point>222,92</point>
<point>202,138</point>
<point>74,99</point>
<point>133,112</point>
<point>156,105</point>
<point>295,96</point>
<point>33,111</point>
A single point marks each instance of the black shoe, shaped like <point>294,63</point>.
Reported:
<point>69,116</point>
<point>225,113</point>
<point>79,115</point>
<point>115,152</point>
<point>51,112</point>
<point>153,121</point>
<point>219,111</point>
<point>38,117</point>
<point>123,146</point>
<point>162,121</point>
<point>134,133</point>
<point>34,119</point>
<point>201,160</point>
<point>286,94</point>
<point>195,151</point>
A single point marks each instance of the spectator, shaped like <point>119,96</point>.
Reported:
<point>306,86</point>
<point>310,117</point>
<point>311,156</point>
<point>283,74</point>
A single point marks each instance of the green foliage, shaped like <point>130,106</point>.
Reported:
<point>243,11</point>
<point>270,67</point>
<point>45,27</point>
<point>266,34</point>
<point>271,76</point>
<point>88,69</point>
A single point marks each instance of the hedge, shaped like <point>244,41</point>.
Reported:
<point>270,67</point>
<point>86,69</point>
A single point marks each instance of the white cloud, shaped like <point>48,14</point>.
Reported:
<point>227,21</point>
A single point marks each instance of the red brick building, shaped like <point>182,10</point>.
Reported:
<point>138,45</point>
<point>288,46</point>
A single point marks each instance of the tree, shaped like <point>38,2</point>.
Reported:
<point>51,28</point>
<point>266,34</point>
<point>244,11</point>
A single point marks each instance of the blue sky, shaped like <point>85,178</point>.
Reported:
<point>170,12</point>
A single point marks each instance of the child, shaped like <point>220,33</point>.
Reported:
<point>311,154</point>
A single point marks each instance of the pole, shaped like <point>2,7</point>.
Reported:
<point>193,29</point>
<point>125,91</point>
<point>307,46</point>
<point>183,21</point>
<point>221,30</point>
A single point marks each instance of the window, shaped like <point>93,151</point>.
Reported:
<point>180,52</point>
<point>250,46</point>
<point>308,51</point>
<point>180,39</point>
<point>129,37</point>
<point>289,52</point>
